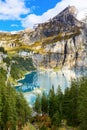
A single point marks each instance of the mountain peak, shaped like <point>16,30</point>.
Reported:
<point>68,10</point>
<point>65,21</point>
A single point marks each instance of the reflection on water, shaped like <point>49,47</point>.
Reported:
<point>39,81</point>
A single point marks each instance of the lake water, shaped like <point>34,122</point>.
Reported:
<point>36,82</point>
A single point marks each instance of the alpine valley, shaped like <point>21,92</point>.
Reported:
<point>33,60</point>
<point>59,43</point>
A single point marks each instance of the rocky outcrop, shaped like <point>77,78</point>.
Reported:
<point>59,42</point>
<point>65,41</point>
<point>65,53</point>
<point>65,21</point>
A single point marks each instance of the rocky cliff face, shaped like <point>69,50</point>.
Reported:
<point>64,43</point>
<point>60,42</point>
<point>67,53</point>
<point>63,22</point>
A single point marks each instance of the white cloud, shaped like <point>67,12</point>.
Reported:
<point>12,9</point>
<point>14,25</point>
<point>82,14</point>
<point>32,19</point>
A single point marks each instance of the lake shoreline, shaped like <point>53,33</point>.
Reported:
<point>43,79</point>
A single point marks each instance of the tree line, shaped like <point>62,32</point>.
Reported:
<point>69,106</point>
<point>14,109</point>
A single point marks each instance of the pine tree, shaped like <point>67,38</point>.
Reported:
<point>82,103</point>
<point>0,107</point>
<point>52,102</point>
<point>37,105</point>
<point>59,98</point>
<point>70,106</point>
<point>44,103</point>
<point>13,108</point>
<point>23,110</point>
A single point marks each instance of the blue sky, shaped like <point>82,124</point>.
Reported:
<point>41,6</point>
<point>17,15</point>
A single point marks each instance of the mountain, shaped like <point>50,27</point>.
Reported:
<point>58,43</point>
<point>63,22</point>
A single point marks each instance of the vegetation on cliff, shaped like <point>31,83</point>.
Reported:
<point>20,66</point>
<point>14,67</point>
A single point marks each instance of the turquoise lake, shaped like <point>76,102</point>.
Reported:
<point>36,82</point>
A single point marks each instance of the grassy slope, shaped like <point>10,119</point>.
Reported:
<point>38,46</point>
